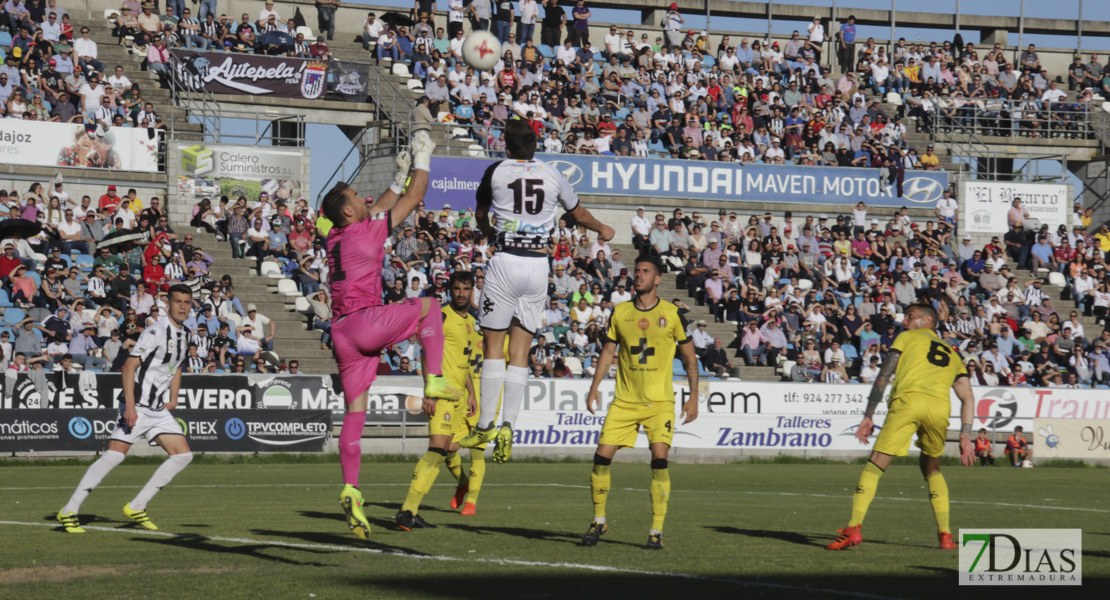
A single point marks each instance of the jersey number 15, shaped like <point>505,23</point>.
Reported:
<point>528,196</point>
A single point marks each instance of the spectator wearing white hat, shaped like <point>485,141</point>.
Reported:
<point>260,324</point>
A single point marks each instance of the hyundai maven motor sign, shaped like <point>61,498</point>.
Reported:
<point>453,181</point>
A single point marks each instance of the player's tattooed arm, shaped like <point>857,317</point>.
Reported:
<point>886,372</point>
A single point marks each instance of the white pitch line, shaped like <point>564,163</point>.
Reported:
<point>497,561</point>
<point>570,486</point>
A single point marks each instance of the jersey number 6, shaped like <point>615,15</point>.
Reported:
<point>532,189</point>
<point>939,355</point>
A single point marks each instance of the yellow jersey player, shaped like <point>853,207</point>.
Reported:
<point>924,368</point>
<point>470,482</point>
<point>446,418</point>
<point>646,332</point>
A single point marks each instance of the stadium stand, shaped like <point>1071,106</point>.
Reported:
<point>743,100</point>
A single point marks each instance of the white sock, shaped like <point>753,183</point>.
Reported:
<point>516,379</point>
<point>96,473</point>
<point>493,377</point>
<point>598,520</point>
<point>161,478</point>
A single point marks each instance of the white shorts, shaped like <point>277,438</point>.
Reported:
<point>149,425</point>
<point>516,286</point>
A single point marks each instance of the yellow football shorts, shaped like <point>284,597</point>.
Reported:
<point>450,419</point>
<point>914,413</point>
<point>624,419</point>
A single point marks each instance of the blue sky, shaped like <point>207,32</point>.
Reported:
<point>329,145</point>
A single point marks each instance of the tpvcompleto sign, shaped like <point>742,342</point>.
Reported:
<point>46,144</point>
<point>454,181</point>
<point>206,430</point>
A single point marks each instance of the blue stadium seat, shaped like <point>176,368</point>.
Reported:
<point>864,263</point>
<point>6,39</point>
<point>678,368</point>
<point>850,352</point>
<point>546,51</point>
<point>34,275</point>
<point>598,57</point>
<point>657,146</point>
<point>857,301</point>
<point>84,262</point>
<point>708,61</point>
<point>5,301</point>
<point>620,115</point>
<point>12,316</point>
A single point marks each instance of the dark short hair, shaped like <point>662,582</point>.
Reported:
<point>520,140</point>
<point>926,310</point>
<point>463,277</point>
<point>181,288</point>
<point>653,261</point>
<point>333,203</point>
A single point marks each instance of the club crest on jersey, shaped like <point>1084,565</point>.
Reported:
<point>447,417</point>
<point>643,324</point>
<point>662,322</point>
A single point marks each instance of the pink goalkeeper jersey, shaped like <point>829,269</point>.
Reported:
<point>355,255</point>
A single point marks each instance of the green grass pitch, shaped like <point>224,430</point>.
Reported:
<point>262,530</point>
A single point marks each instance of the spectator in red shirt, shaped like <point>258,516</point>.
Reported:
<point>983,449</point>
<point>319,49</point>
<point>109,202</point>
<point>300,239</point>
<point>606,124</point>
<point>8,260</point>
<point>1016,378</point>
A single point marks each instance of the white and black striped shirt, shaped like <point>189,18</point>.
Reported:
<point>203,342</point>
<point>161,349</point>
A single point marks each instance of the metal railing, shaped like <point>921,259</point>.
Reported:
<point>202,108</point>
<point>1014,119</point>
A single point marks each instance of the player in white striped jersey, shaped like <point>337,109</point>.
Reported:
<point>517,207</point>
<point>151,380</point>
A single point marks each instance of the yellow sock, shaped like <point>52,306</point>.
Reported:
<point>660,492</point>
<point>938,497</point>
<point>423,477</point>
<point>454,465</point>
<point>865,492</point>
<point>477,473</point>
<point>599,484</point>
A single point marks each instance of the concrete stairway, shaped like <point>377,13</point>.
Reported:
<point>111,54</point>
<point>292,340</point>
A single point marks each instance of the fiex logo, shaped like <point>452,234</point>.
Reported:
<point>1021,557</point>
<point>197,160</point>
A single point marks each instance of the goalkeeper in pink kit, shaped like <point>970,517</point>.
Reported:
<point>361,326</point>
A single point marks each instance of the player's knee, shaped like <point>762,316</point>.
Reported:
<point>184,458</point>
<point>440,451</point>
<point>658,463</point>
<point>602,461</point>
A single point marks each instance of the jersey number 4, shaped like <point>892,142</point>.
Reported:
<point>528,196</point>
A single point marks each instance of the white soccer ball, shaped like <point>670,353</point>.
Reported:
<point>1027,464</point>
<point>481,50</point>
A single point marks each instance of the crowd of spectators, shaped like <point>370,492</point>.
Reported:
<point>265,33</point>
<point>823,297</point>
<point>750,102</point>
<point>81,278</point>
<point>51,72</point>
